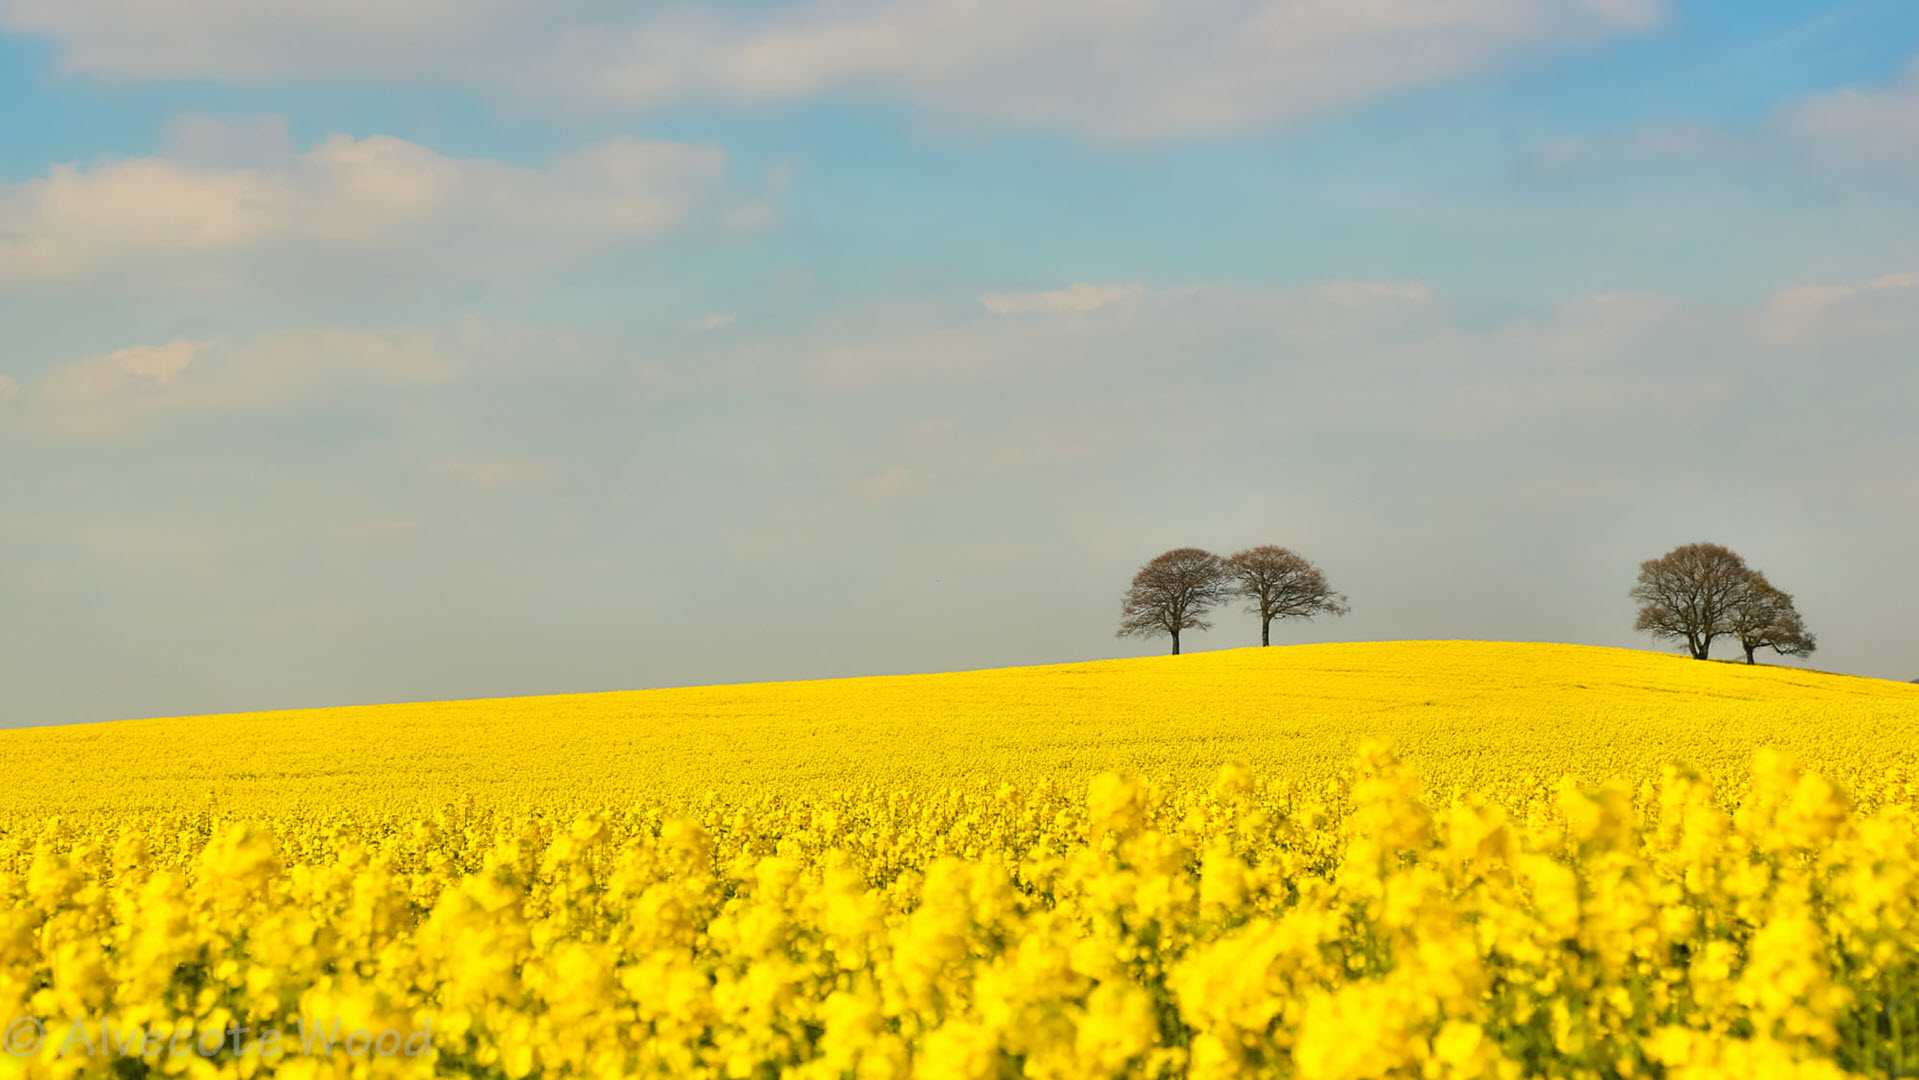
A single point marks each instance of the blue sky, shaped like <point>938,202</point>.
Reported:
<point>389,351</point>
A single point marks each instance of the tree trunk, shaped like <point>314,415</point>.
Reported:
<point>1175,643</point>
<point>1750,649</point>
<point>1266,631</point>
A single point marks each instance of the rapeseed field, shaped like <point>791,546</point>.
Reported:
<point>1412,859</point>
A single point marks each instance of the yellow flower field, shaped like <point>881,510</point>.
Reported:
<point>1417,859</point>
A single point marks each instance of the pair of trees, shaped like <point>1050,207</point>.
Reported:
<point>1175,591</point>
<point>1699,592</point>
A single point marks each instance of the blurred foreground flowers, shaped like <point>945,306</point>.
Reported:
<point>1235,925</point>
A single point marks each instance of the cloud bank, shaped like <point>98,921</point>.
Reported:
<point>1145,69</point>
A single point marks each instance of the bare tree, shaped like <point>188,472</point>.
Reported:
<point>1765,619</point>
<point>1281,585</point>
<point>1691,593</point>
<point>1173,593</point>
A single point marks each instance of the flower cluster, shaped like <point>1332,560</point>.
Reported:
<point>1239,926</point>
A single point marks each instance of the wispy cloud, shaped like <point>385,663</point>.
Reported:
<point>118,394</point>
<point>933,428</point>
<point>1141,70</point>
<point>141,369</point>
<point>496,475</point>
<point>1144,70</point>
<point>1662,143</point>
<point>1854,131</point>
<point>709,322</point>
<point>1874,128</point>
<point>1597,329</point>
<point>890,483</point>
<point>1490,406</point>
<point>1035,332</point>
<point>377,197</point>
<point>1345,356</point>
<point>1884,308</point>
<point>1080,297</point>
<point>1372,294</point>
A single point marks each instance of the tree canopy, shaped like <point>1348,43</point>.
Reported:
<point>1281,584</point>
<point>1699,592</point>
<point>1174,592</point>
<point>1690,594</point>
<point>1764,618</point>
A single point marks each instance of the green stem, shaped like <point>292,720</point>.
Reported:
<point>1895,1005</point>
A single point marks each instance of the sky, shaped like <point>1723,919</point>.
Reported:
<point>361,351</point>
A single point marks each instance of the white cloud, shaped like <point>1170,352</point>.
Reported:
<point>1876,128</point>
<point>128,392</point>
<point>1831,315</point>
<point>8,389</point>
<point>710,322</point>
<point>1368,294</point>
<point>1131,69</point>
<point>119,393</point>
<point>140,370</point>
<point>377,196</point>
<point>1080,297</point>
<point>496,475</point>
<point>1139,69</point>
<point>891,483</point>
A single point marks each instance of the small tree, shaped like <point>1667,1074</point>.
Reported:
<point>1764,618</point>
<point>1279,584</point>
<point>1173,593</point>
<point>1690,593</point>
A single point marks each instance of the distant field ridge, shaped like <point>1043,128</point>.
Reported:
<point>1453,708</point>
